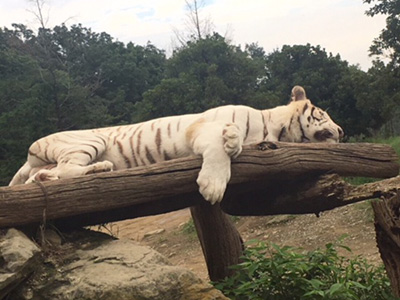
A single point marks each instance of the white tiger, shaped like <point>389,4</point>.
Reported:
<point>216,134</point>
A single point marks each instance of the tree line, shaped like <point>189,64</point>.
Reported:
<point>69,78</point>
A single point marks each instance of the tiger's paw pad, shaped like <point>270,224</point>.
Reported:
<point>232,140</point>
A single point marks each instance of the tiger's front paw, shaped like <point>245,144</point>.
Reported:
<point>212,183</point>
<point>232,140</point>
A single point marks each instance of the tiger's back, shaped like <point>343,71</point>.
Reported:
<point>139,144</point>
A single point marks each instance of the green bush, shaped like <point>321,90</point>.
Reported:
<point>271,272</point>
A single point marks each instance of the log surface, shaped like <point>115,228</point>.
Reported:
<point>220,241</point>
<point>171,185</point>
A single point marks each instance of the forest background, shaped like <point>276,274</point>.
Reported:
<point>69,77</point>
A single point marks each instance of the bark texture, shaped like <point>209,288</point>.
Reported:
<point>220,241</point>
<point>387,226</point>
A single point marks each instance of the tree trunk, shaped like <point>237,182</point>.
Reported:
<point>387,226</point>
<point>256,174</point>
<point>220,241</point>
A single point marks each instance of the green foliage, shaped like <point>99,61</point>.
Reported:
<point>271,272</point>
<point>386,76</point>
<point>330,83</point>
<point>203,74</point>
<point>189,228</point>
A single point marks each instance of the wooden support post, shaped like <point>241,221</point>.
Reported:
<point>220,241</point>
<point>387,226</point>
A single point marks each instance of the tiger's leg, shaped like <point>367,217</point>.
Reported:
<point>72,164</point>
<point>71,170</point>
<point>216,142</point>
<point>42,174</point>
<point>22,175</point>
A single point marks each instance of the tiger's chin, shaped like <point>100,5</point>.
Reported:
<point>332,141</point>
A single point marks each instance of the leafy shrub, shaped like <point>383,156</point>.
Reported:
<point>189,228</point>
<point>271,272</point>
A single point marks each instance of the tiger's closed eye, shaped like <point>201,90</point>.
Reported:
<point>323,135</point>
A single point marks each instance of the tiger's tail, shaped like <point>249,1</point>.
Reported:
<point>22,175</point>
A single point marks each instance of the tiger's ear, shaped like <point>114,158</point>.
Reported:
<point>298,93</point>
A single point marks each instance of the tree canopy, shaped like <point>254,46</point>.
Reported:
<point>388,42</point>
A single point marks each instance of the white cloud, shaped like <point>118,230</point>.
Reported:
<point>339,26</point>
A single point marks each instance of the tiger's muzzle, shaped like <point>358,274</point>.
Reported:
<point>327,135</point>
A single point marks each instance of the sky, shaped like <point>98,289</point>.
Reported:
<point>339,26</point>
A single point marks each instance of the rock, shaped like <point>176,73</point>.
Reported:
<point>95,266</point>
<point>154,232</point>
<point>16,249</point>
<point>18,258</point>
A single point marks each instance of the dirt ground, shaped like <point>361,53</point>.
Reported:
<point>168,233</point>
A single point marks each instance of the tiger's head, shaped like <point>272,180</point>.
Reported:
<point>315,125</point>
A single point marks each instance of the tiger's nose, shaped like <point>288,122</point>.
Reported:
<point>341,132</point>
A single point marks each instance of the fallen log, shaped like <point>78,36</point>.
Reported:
<point>160,188</point>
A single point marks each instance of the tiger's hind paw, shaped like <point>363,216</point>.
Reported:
<point>100,167</point>
<point>42,175</point>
